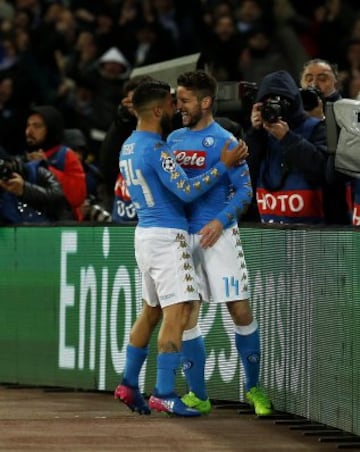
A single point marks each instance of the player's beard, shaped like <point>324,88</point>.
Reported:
<point>166,124</point>
<point>191,120</point>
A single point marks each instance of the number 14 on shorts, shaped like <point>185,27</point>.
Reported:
<point>231,286</point>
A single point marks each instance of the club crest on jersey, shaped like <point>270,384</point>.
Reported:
<point>208,142</point>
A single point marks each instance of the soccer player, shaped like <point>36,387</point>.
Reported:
<point>215,240</point>
<point>159,189</point>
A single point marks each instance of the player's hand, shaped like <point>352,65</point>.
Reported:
<point>210,233</point>
<point>235,155</point>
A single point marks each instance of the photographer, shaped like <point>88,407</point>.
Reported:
<point>288,155</point>
<point>29,192</point>
<point>319,83</point>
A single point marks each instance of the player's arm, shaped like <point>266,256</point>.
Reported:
<point>241,196</point>
<point>174,178</point>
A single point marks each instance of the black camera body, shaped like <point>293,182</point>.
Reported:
<point>274,109</point>
<point>6,170</point>
<point>310,97</point>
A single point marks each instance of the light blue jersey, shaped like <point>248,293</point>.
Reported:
<point>158,186</point>
<point>197,151</point>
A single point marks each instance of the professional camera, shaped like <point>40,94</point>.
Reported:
<point>6,169</point>
<point>94,212</point>
<point>310,97</point>
<point>274,109</point>
<point>98,213</point>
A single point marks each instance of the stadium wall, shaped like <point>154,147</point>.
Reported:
<point>69,295</point>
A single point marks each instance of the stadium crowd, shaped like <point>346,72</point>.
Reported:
<point>76,56</point>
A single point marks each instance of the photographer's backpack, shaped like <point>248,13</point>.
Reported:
<point>343,135</point>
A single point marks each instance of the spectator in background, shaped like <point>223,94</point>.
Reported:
<point>250,14</point>
<point>110,74</point>
<point>29,192</point>
<point>349,71</point>
<point>13,65</point>
<point>287,155</point>
<point>7,10</point>
<point>104,29</point>
<point>333,21</point>
<point>44,136</point>
<point>221,53</point>
<point>88,111</point>
<point>173,16</point>
<point>84,56</point>
<point>92,208</point>
<point>12,117</point>
<point>260,56</point>
<point>152,44</point>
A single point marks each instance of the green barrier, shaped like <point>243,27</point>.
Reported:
<point>69,295</point>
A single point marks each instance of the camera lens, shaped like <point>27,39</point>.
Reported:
<point>271,111</point>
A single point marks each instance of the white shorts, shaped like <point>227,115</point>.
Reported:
<point>221,269</point>
<point>164,259</point>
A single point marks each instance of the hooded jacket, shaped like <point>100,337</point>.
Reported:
<point>67,169</point>
<point>288,175</point>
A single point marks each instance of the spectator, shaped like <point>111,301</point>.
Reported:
<point>153,44</point>
<point>250,14</point>
<point>334,20</point>
<point>221,53</point>
<point>182,28</point>
<point>29,192</point>
<point>92,209</point>
<point>288,154</point>
<point>44,136</point>
<point>350,67</point>
<point>12,117</point>
<point>7,10</point>
<point>88,111</point>
<point>260,56</point>
<point>83,58</point>
<point>108,78</point>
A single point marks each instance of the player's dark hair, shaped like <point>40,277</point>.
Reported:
<point>201,82</point>
<point>134,82</point>
<point>149,91</point>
